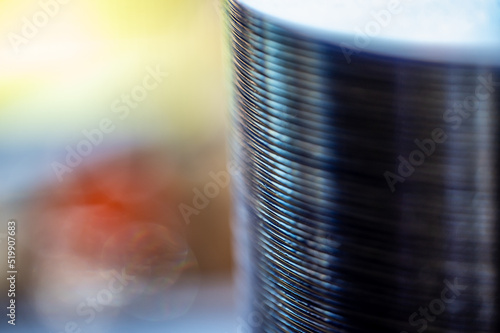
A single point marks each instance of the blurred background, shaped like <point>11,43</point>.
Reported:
<point>113,122</point>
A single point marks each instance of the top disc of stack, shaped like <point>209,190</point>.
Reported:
<point>438,31</point>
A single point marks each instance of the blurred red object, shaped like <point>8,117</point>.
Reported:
<point>78,215</point>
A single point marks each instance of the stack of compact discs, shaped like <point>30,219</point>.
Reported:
<point>367,143</point>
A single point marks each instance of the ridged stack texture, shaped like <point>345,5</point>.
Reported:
<point>367,193</point>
